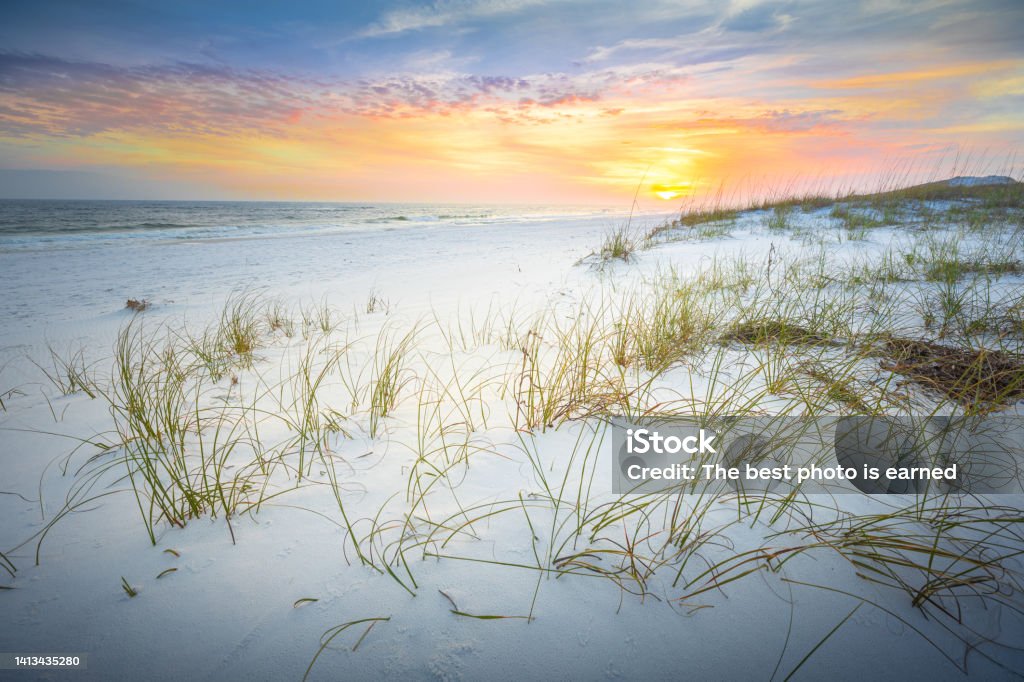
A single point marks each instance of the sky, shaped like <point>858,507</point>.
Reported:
<point>512,101</point>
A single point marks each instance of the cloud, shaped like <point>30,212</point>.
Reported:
<point>777,121</point>
<point>756,19</point>
<point>601,53</point>
<point>905,78</point>
<point>46,95</point>
<point>442,13</point>
<point>54,96</point>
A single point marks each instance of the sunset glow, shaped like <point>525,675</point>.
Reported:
<point>489,101</point>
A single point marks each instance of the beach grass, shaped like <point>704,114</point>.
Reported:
<point>69,372</point>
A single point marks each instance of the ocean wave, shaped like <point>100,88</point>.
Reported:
<point>161,225</point>
<point>80,223</point>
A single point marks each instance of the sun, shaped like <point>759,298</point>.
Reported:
<point>669,192</point>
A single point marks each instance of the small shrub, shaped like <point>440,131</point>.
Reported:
<point>618,244</point>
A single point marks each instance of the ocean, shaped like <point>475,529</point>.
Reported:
<point>33,223</point>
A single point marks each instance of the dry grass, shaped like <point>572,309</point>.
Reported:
<point>770,331</point>
<point>977,378</point>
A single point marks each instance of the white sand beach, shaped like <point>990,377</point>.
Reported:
<point>391,439</point>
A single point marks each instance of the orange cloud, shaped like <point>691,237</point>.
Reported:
<point>898,79</point>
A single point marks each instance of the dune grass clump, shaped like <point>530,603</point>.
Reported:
<point>69,373</point>
<point>183,458</point>
<point>952,256</point>
<point>699,224</point>
<point>710,229</point>
<point>241,326</point>
<point>557,368</point>
<point>980,308</point>
<point>611,350</point>
<point>763,331</point>
<point>1007,195</point>
<point>232,340</point>
<point>390,375</point>
<point>305,417</point>
<point>207,351</point>
<point>152,415</point>
<point>889,268</point>
<point>278,319</point>
<point>618,244</point>
<point>377,303</point>
<point>670,322</point>
<point>855,221</point>
<point>778,217</point>
<point>319,317</point>
<point>1009,321</point>
<point>692,218</point>
<point>952,270</point>
<point>977,378</point>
